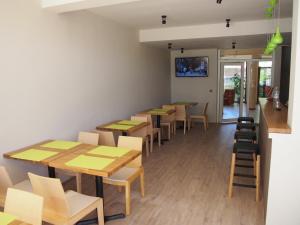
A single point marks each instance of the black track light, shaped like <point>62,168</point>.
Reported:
<point>182,50</point>
<point>227,22</point>
<point>233,44</point>
<point>219,1</point>
<point>169,45</point>
<point>163,19</point>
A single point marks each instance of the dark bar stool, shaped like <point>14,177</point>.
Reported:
<point>243,119</point>
<point>245,136</point>
<point>246,126</point>
<point>241,149</point>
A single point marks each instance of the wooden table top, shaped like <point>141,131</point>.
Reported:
<point>130,130</point>
<point>159,113</point>
<point>38,146</point>
<point>276,120</point>
<point>188,104</point>
<point>60,163</point>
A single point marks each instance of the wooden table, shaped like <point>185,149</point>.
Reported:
<point>45,162</point>
<point>187,104</point>
<point>60,163</point>
<point>125,132</point>
<point>158,114</point>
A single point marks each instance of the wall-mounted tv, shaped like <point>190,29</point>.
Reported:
<point>191,66</point>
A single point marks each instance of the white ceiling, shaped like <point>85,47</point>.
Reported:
<point>147,13</point>
<point>254,41</point>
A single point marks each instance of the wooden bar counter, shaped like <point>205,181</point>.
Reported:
<point>271,122</point>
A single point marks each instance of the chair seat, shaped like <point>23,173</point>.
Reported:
<point>197,116</point>
<point>78,201</point>
<point>24,186</point>
<point>123,174</point>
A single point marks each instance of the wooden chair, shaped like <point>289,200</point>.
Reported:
<point>61,207</point>
<point>26,206</point>
<point>152,131</point>
<point>169,121</point>
<point>6,182</point>
<point>181,116</point>
<point>127,175</point>
<point>86,138</point>
<point>106,138</point>
<point>203,117</point>
<point>143,132</point>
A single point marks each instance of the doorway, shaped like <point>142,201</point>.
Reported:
<point>233,97</point>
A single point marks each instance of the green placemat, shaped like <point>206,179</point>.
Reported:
<point>119,127</point>
<point>34,155</point>
<point>90,162</point>
<point>130,122</point>
<point>109,151</point>
<point>160,110</point>
<point>62,145</point>
<point>6,219</point>
<point>153,112</point>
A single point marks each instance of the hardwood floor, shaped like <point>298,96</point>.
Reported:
<point>186,184</point>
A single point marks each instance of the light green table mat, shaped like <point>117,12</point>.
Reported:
<point>109,151</point>
<point>34,155</point>
<point>62,145</point>
<point>119,127</point>
<point>157,112</point>
<point>130,122</point>
<point>161,110</point>
<point>90,162</point>
<point>6,219</point>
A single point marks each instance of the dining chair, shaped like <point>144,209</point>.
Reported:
<point>203,117</point>
<point>61,207</point>
<point>125,176</point>
<point>6,182</point>
<point>143,132</point>
<point>181,116</point>
<point>26,206</point>
<point>169,121</point>
<point>86,138</point>
<point>106,138</point>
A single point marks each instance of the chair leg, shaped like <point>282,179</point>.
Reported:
<point>100,214</point>
<point>189,124</point>
<point>184,126</point>
<point>257,177</point>
<point>174,127</point>
<point>142,183</point>
<point>206,118</point>
<point>127,198</point>
<point>151,142</point>
<point>119,188</point>
<point>159,138</point>
<point>169,131</point>
<point>78,182</point>
<point>205,124</point>
<point>231,175</point>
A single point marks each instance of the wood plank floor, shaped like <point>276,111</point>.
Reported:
<point>186,184</point>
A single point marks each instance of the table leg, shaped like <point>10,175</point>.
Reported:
<point>51,172</point>
<point>99,193</point>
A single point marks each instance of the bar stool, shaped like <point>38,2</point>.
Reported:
<point>245,136</point>
<point>244,119</point>
<point>241,149</point>
<point>245,126</point>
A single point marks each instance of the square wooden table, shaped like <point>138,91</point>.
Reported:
<point>119,162</point>
<point>127,129</point>
<point>45,162</point>
<point>158,113</point>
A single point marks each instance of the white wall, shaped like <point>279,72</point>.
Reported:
<point>61,74</point>
<point>197,89</point>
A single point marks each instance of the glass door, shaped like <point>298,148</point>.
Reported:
<point>233,89</point>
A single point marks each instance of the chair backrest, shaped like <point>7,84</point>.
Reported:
<point>204,112</point>
<point>149,120</point>
<point>106,138</point>
<point>88,138</point>
<point>171,117</point>
<point>134,143</point>
<point>5,182</point>
<point>143,132</point>
<point>26,206</point>
<point>52,191</point>
<point>180,112</point>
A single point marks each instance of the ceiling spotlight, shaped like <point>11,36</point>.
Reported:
<point>219,1</point>
<point>169,45</point>
<point>233,44</point>
<point>182,50</point>
<point>163,19</point>
<point>227,22</point>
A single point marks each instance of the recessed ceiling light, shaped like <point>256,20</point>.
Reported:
<point>182,50</point>
<point>233,44</point>
<point>227,22</point>
<point>169,45</point>
<point>219,1</point>
<point>163,19</point>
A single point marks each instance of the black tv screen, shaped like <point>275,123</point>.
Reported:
<point>191,66</point>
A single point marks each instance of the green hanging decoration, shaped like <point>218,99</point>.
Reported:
<point>273,3</point>
<point>277,37</point>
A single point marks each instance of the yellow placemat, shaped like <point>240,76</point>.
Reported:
<point>90,162</point>
<point>62,145</point>
<point>130,122</point>
<point>6,219</point>
<point>109,151</point>
<point>160,110</point>
<point>119,127</point>
<point>153,112</point>
<point>34,155</point>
